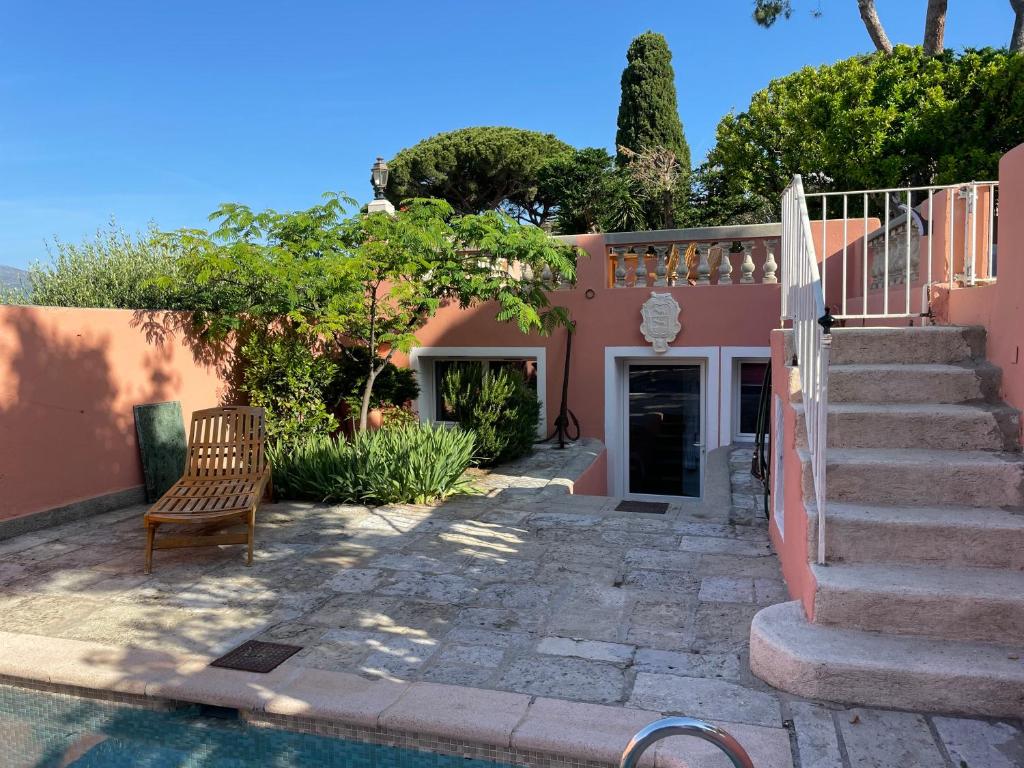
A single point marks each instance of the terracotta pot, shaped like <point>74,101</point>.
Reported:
<point>374,419</point>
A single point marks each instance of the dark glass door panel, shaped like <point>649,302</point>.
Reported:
<point>664,429</point>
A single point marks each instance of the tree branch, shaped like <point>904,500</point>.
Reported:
<point>1017,38</point>
<point>876,31</point>
<point>935,27</point>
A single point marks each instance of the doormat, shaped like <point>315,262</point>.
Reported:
<point>256,656</point>
<point>646,507</point>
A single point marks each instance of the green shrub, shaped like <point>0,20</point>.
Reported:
<point>401,464</point>
<point>282,375</point>
<point>498,406</point>
<point>113,269</point>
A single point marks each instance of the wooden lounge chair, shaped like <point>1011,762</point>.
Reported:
<point>226,475</point>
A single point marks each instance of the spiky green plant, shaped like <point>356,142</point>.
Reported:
<point>413,463</point>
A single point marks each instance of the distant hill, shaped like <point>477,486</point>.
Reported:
<point>13,277</point>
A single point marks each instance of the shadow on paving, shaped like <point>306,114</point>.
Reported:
<point>524,589</point>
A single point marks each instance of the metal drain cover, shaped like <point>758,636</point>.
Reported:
<point>256,656</point>
<point>646,507</point>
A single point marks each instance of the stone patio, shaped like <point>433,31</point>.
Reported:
<point>522,589</point>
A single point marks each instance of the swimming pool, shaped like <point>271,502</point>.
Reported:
<point>46,729</point>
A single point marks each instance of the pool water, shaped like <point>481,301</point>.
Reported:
<point>44,729</point>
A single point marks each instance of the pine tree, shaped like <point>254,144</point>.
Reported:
<point>648,111</point>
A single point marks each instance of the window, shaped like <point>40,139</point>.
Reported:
<point>749,378</point>
<point>442,366</point>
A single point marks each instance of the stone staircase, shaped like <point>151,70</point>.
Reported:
<point>921,603</point>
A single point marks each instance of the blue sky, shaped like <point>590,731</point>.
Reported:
<point>159,110</point>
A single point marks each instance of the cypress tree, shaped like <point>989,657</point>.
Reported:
<point>648,111</point>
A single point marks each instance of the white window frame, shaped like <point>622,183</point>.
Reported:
<point>730,402</point>
<point>616,360</point>
<point>421,361</point>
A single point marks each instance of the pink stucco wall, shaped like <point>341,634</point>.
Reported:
<point>714,315</point>
<point>999,307</point>
<point>791,548</point>
<point>594,480</point>
<point>68,381</point>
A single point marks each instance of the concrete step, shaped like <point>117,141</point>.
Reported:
<point>908,383</point>
<point>894,672</point>
<point>971,604</point>
<point>920,477</point>
<point>974,427</point>
<point>931,344</point>
<point>948,536</point>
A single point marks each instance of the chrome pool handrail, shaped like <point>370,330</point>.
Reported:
<point>684,726</point>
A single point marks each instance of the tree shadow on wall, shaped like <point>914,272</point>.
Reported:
<point>164,327</point>
<point>65,411</point>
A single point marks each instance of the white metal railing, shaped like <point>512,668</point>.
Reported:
<point>893,240</point>
<point>803,303</point>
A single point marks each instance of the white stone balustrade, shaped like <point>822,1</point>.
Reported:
<point>663,263</point>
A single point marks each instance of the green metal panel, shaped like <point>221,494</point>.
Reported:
<point>161,432</point>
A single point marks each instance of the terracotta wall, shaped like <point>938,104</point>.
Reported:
<point>594,480</point>
<point>726,315</point>
<point>793,547</point>
<point>68,381</point>
<point>999,307</point>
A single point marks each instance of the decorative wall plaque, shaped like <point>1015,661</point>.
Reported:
<point>660,324</point>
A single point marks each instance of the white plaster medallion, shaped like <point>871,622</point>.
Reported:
<point>660,320</point>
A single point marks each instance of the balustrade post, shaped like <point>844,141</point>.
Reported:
<point>620,267</point>
<point>770,267</point>
<point>747,267</point>
<point>641,267</point>
<point>682,269</point>
<point>703,268</point>
<point>725,265</point>
<point>661,270</point>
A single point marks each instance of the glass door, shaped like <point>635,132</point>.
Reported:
<point>665,435</point>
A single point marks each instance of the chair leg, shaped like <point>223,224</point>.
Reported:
<point>252,534</point>
<point>150,536</point>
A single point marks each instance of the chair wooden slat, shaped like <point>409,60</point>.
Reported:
<point>225,477</point>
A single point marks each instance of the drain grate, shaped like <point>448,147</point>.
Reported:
<point>256,656</point>
<point>645,507</point>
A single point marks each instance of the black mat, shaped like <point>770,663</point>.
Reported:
<point>646,507</point>
<point>256,656</point>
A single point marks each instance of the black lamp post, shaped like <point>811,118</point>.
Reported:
<point>379,178</point>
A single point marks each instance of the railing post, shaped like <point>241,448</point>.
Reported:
<point>703,268</point>
<point>770,265</point>
<point>747,267</point>
<point>661,270</point>
<point>620,267</point>
<point>725,265</point>
<point>682,276</point>
<point>641,267</point>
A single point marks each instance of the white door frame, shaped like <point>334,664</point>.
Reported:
<point>615,390</point>
<point>420,357</point>
<point>730,387</point>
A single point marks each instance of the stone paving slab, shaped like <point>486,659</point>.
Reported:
<point>522,590</point>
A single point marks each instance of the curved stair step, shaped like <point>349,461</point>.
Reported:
<point>876,670</point>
